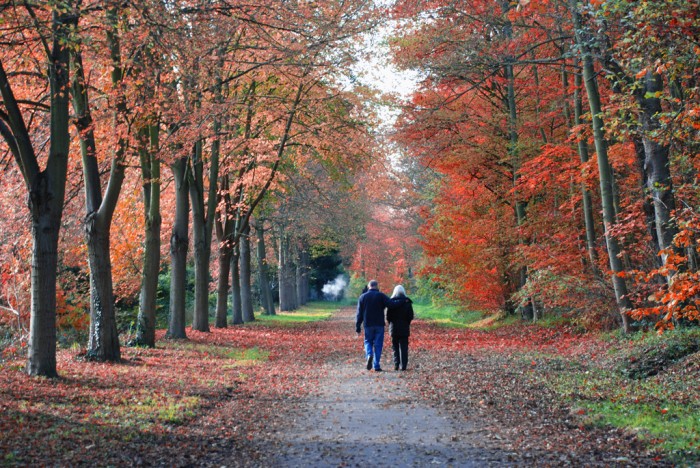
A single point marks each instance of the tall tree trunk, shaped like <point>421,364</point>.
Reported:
<point>287,288</point>
<point>42,327</point>
<point>103,344</point>
<point>302,274</point>
<point>236,287</point>
<point>202,242</point>
<point>179,242</point>
<point>263,273</point>
<point>224,228</point>
<point>246,288</point>
<point>222,287</point>
<point>647,203</point>
<point>204,217</point>
<point>46,188</point>
<point>520,205</point>
<point>606,182</point>
<point>657,164</point>
<point>150,170</point>
<point>588,219</point>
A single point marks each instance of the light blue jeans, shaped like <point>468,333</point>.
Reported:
<point>374,342</point>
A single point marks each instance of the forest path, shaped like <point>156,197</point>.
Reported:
<point>365,418</point>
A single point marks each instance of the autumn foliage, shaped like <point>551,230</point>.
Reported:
<point>503,120</point>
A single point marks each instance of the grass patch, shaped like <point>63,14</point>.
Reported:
<point>242,356</point>
<point>673,428</point>
<point>446,315</point>
<point>311,312</point>
<point>248,356</point>
<point>647,386</point>
<point>142,414</point>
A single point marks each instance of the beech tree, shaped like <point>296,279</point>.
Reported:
<point>48,35</point>
<point>503,135</point>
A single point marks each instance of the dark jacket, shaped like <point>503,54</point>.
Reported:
<point>370,309</point>
<point>400,317</point>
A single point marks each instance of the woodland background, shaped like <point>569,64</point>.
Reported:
<point>188,164</point>
<point>175,172</point>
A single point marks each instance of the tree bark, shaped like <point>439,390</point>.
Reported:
<point>656,164</point>
<point>46,189</point>
<point>302,274</point>
<point>263,273</point>
<point>246,288</point>
<point>286,292</point>
<point>588,219</point>
<point>179,242</point>
<point>222,287</point>
<point>202,242</point>
<point>236,288</point>
<point>606,183</point>
<point>103,344</point>
<point>150,169</point>
<point>647,203</point>
<point>224,228</point>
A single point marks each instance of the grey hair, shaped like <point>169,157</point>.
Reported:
<point>373,284</point>
<point>398,291</point>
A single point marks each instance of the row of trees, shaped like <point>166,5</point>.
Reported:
<point>243,105</point>
<point>563,139</point>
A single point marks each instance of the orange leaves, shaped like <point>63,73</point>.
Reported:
<point>641,74</point>
<point>677,292</point>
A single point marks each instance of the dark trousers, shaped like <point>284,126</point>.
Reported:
<point>400,347</point>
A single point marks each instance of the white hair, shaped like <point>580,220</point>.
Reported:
<point>398,291</point>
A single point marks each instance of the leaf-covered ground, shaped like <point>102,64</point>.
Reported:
<point>233,397</point>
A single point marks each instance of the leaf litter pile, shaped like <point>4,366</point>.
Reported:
<point>223,398</point>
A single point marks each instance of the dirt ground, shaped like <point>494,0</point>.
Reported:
<point>275,395</point>
<point>364,418</point>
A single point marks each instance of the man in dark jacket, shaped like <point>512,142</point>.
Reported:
<point>370,312</point>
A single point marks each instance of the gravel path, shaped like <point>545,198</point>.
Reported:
<point>367,418</point>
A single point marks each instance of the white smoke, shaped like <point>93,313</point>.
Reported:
<point>333,290</point>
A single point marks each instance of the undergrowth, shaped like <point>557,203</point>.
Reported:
<point>647,384</point>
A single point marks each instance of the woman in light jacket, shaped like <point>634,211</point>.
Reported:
<point>399,317</point>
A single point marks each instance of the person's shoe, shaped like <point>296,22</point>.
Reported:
<point>396,367</point>
<point>369,362</point>
<point>378,369</point>
<point>403,368</point>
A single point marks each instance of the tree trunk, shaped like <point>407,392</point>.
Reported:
<point>606,183</point>
<point>202,260</point>
<point>588,219</point>
<point>202,243</point>
<point>236,287</point>
<point>179,242</point>
<point>647,203</point>
<point>150,169</point>
<point>520,205</point>
<point>46,188</point>
<point>103,344</point>
<point>224,228</point>
<point>657,165</point>
<point>263,274</point>
<point>246,289</point>
<point>222,286</point>
<point>302,275</point>
<point>286,276</point>
<point>42,328</point>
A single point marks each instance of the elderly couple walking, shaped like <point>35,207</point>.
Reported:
<point>370,312</point>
